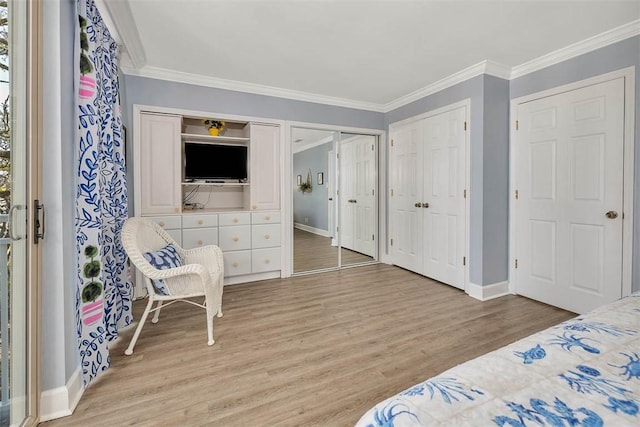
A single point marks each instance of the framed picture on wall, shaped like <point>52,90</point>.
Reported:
<point>299,180</point>
<point>320,178</point>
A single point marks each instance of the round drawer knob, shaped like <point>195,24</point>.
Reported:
<point>235,219</point>
<point>267,237</point>
<point>267,261</point>
<point>235,265</point>
<point>161,224</point>
<point>200,242</point>
<point>200,221</point>
<point>235,239</point>
<point>267,218</point>
<point>254,207</point>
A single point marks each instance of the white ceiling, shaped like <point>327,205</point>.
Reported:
<point>365,51</point>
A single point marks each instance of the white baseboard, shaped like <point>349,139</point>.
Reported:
<point>318,231</point>
<point>62,401</point>
<point>487,292</point>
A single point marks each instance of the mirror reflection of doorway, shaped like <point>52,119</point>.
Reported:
<point>334,199</point>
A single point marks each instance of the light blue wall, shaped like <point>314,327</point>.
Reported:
<point>481,215</point>
<point>161,93</point>
<point>610,58</point>
<point>314,205</point>
<point>495,181</point>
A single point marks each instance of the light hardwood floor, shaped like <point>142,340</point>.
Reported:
<point>314,252</point>
<point>311,350</point>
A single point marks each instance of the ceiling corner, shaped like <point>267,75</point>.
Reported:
<point>119,14</point>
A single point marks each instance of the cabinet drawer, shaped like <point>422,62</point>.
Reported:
<point>196,237</point>
<point>265,236</point>
<point>199,221</point>
<point>234,238</point>
<point>265,260</point>
<point>237,263</point>
<point>267,217</point>
<point>167,221</point>
<point>234,219</point>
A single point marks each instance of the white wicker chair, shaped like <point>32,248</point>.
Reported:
<point>202,274</point>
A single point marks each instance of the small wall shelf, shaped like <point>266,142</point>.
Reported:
<point>208,138</point>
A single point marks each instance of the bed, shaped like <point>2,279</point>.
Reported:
<point>582,372</point>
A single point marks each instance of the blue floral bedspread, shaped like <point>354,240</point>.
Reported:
<point>583,372</point>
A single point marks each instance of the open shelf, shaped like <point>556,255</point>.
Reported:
<point>208,138</point>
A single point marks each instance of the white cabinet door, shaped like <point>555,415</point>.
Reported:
<point>569,163</point>
<point>347,195</point>
<point>159,164</point>
<point>265,167</point>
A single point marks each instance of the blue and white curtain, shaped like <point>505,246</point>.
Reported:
<point>103,297</point>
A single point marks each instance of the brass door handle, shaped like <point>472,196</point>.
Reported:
<point>611,214</point>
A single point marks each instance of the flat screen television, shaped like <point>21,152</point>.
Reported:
<point>215,162</point>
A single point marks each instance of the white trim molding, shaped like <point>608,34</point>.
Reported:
<point>487,292</point>
<point>484,67</point>
<point>134,61</point>
<point>313,230</point>
<point>587,45</point>
<point>239,86</point>
<point>61,401</point>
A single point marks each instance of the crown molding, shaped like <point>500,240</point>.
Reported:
<point>299,148</point>
<point>119,20</point>
<point>135,60</point>
<point>485,67</point>
<point>584,46</point>
<point>200,80</point>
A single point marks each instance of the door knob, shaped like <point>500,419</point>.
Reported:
<point>425,205</point>
<point>612,214</point>
<point>417,205</point>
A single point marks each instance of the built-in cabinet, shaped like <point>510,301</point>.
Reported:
<point>242,216</point>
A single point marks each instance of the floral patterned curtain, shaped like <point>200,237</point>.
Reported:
<point>103,297</point>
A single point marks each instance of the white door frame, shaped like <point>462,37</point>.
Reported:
<point>467,172</point>
<point>628,158</point>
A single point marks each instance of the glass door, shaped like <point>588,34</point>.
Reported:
<point>17,342</point>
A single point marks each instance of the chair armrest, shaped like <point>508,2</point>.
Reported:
<point>210,256</point>
<point>190,279</point>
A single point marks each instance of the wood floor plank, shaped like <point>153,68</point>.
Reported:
<point>310,350</point>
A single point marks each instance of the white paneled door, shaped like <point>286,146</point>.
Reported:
<point>427,162</point>
<point>406,196</point>
<point>443,204</point>
<point>365,203</point>
<point>568,171</point>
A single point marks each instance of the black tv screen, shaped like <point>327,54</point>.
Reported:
<point>215,162</point>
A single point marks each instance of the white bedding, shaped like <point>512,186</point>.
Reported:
<point>583,372</point>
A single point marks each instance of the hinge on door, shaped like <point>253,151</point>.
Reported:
<point>337,229</point>
<point>392,142</point>
<point>517,195</point>
<point>373,237</point>
<point>464,260</point>
<point>373,192</point>
<point>338,192</point>
<point>464,193</point>
<point>372,149</point>
<point>391,242</point>
<point>465,125</point>
<point>516,263</point>
<point>517,125</point>
<point>392,192</point>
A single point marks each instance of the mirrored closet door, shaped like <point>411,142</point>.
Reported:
<point>334,199</point>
